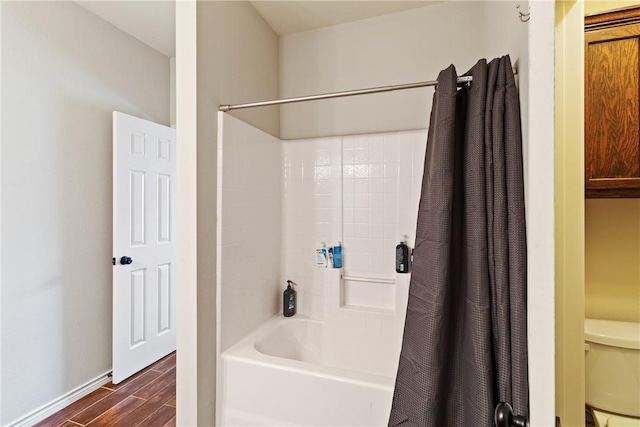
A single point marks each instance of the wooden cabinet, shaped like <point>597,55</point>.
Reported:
<point>612,104</point>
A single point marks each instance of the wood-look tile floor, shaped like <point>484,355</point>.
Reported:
<point>146,399</point>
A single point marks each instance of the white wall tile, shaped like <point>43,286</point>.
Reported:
<point>348,171</point>
<point>362,190</point>
<point>376,199</point>
<point>361,156</point>
<point>369,295</point>
<point>361,170</point>
<point>361,186</point>
<point>375,182</point>
<point>377,170</point>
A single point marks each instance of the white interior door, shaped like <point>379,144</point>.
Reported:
<point>144,250</point>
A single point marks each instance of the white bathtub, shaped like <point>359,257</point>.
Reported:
<point>302,372</point>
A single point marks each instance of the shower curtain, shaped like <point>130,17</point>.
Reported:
<point>464,347</point>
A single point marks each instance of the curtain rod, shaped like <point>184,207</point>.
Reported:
<point>464,79</point>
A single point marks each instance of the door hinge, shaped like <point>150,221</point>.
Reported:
<point>558,422</point>
<point>113,261</point>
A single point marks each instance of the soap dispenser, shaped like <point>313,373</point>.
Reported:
<point>289,301</point>
<point>402,256</point>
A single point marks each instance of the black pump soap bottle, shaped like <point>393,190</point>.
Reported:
<point>402,256</point>
<point>289,301</point>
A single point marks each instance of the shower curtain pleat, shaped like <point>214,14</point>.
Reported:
<point>464,347</point>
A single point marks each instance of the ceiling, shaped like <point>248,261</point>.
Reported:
<point>287,17</point>
<point>153,21</point>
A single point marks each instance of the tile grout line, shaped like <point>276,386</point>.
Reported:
<point>68,419</point>
<point>133,379</point>
<point>154,412</point>
<point>115,406</point>
<point>161,374</point>
<point>151,397</point>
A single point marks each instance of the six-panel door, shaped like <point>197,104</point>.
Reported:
<point>144,290</point>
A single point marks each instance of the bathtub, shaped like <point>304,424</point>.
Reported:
<point>303,372</point>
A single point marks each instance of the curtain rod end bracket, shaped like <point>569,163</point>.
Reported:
<point>225,108</point>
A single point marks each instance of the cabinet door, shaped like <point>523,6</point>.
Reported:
<point>612,110</point>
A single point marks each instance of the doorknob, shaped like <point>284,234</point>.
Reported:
<point>125,260</point>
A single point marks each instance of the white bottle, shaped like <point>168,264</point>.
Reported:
<point>322,256</point>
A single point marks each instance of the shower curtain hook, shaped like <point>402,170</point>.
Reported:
<point>524,17</point>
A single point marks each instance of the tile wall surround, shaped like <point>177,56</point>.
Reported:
<point>249,228</point>
<point>362,190</point>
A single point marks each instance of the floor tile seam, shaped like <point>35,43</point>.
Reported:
<point>165,361</point>
<point>148,405</point>
<point>154,405</point>
<point>161,369</point>
<point>132,378</point>
<point>133,413</point>
<point>171,385</point>
<point>107,409</point>
<point>121,395</point>
<point>170,421</point>
<point>147,417</point>
<point>119,403</point>
<point>160,378</point>
<point>84,408</point>
<point>123,390</point>
<point>150,415</point>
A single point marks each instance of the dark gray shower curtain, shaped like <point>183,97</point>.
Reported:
<point>465,341</point>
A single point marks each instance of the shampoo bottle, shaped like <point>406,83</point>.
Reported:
<point>325,254</point>
<point>289,301</point>
<point>402,257</point>
<point>322,256</point>
<point>337,256</point>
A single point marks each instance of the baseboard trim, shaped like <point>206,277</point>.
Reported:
<point>61,402</point>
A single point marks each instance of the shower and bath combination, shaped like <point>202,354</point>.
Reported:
<point>463,354</point>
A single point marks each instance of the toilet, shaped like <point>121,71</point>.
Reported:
<point>612,372</point>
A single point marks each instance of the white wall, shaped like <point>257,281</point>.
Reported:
<point>237,60</point>
<point>64,71</point>
<point>1,213</point>
<point>541,199</point>
<point>403,47</point>
<point>504,33</point>
<point>186,214</point>
<point>172,91</point>
<point>531,47</point>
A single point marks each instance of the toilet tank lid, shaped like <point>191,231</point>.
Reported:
<point>622,422</point>
<point>613,333</point>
